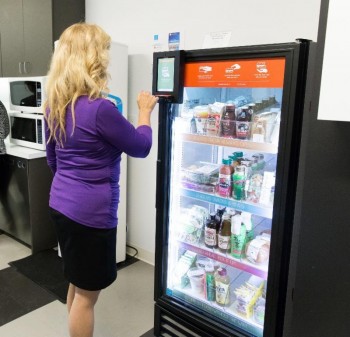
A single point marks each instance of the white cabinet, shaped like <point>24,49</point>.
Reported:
<point>118,85</point>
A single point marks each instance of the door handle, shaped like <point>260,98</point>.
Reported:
<point>27,67</point>
<point>21,164</point>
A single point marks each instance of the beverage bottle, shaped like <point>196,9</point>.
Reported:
<point>248,163</point>
<point>251,108</point>
<point>210,282</point>
<point>218,219</point>
<point>238,236</point>
<point>193,126</point>
<point>258,106</point>
<point>239,157</point>
<point>247,220</point>
<point>234,162</point>
<point>225,174</point>
<point>219,213</point>
<point>258,130</point>
<point>222,283</point>
<point>265,102</point>
<point>238,180</point>
<point>210,237</point>
<point>261,161</point>
<point>228,121</point>
<point>272,100</point>
<point>259,310</point>
<point>224,236</point>
<point>243,122</point>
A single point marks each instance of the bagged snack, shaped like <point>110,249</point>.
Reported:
<point>214,116</point>
<point>258,250</point>
<point>258,129</point>
<point>201,113</point>
<point>246,297</point>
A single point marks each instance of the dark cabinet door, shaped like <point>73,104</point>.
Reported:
<point>24,201</point>
<point>38,44</point>
<point>11,30</point>
<point>14,198</point>
<point>28,29</point>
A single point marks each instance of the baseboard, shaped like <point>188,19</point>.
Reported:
<point>142,254</point>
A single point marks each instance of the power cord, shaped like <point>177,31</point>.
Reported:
<point>132,256</point>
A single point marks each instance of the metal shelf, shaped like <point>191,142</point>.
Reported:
<point>244,265</point>
<point>230,142</point>
<point>242,206</point>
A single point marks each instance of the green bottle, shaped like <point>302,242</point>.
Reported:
<point>247,220</point>
<point>238,181</point>
<point>210,288</point>
<point>238,236</point>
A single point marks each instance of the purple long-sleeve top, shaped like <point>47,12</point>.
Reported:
<point>85,186</point>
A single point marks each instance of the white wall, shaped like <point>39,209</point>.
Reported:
<point>134,22</point>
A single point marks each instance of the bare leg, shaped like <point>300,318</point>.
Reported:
<point>70,296</point>
<point>81,314</point>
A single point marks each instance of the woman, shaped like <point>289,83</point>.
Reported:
<point>86,136</point>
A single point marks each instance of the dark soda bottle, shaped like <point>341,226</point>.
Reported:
<point>243,123</point>
<point>210,236</point>
<point>224,237</point>
<point>228,121</point>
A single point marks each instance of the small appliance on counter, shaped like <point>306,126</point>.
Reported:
<point>26,118</point>
<point>27,129</point>
<point>27,94</point>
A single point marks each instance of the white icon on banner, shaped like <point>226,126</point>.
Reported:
<point>261,67</point>
<point>234,67</point>
<point>205,69</point>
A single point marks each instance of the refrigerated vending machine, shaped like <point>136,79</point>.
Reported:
<point>230,125</point>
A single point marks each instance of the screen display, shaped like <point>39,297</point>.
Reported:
<point>26,93</point>
<point>165,78</point>
<point>23,129</point>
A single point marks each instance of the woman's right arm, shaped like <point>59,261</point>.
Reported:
<point>121,134</point>
<point>146,103</point>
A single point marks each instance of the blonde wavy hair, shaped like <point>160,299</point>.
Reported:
<point>78,67</point>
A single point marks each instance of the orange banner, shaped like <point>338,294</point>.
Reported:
<point>257,73</point>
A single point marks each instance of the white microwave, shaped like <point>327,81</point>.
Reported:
<point>27,129</point>
<point>27,94</point>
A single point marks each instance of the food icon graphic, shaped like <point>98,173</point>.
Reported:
<point>261,67</point>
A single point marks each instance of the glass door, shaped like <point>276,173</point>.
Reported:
<point>224,154</point>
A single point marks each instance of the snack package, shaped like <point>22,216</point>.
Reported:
<point>254,186</point>
<point>258,250</point>
<point>182,267</point>
<point>200,114</point>
<point>264,122</point>
<point>214,117</point>
<point>247,295</point>
<point>191,224</point>
<point>258,131</point>
<point>201,173</point>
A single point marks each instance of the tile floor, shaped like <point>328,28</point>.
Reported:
<point>125,309</point>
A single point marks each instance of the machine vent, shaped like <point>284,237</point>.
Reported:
<point>171,328</point>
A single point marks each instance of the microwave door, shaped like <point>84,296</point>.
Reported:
<point>24,129</point>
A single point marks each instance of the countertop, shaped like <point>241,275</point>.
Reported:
<point>23,152</point>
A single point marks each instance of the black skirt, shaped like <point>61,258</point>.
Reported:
<point>89,254</point>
